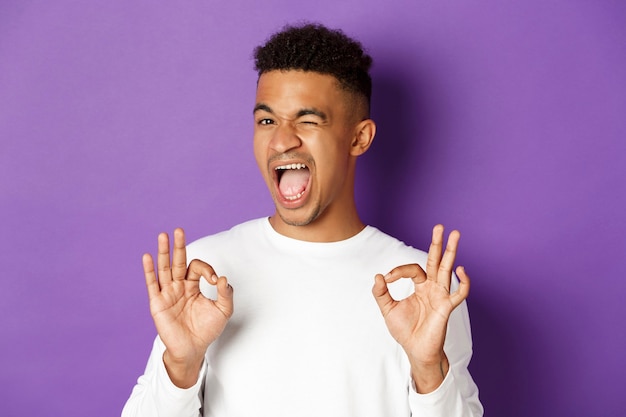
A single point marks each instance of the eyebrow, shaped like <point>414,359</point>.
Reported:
<point>312,111</point>
<point>300,113</point>
<point>263,107</point>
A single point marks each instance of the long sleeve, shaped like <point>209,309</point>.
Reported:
<point>294,348</point>
<point>155,395</point>
<point>457,396</point>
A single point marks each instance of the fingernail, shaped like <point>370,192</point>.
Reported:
<point>214,279</point>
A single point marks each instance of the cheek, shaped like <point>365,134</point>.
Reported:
<point>333,169</point>
<point>259,155</point>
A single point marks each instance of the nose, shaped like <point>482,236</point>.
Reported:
<point>285,138</point>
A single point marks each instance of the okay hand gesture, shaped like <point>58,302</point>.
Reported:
<point>187,321</point>
<point>419,322</point>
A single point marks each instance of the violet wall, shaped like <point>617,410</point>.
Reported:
<point>506,120</point>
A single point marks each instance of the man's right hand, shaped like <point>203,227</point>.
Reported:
<point>187,321</point>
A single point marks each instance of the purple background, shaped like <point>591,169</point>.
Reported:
<point>505,120</point>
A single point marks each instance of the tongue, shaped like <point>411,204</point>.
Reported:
<point>293,181</point>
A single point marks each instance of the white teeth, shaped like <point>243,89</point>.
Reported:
<point>295,197</point>
<point>291,166</point>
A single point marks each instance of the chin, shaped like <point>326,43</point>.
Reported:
<point>292,219</point>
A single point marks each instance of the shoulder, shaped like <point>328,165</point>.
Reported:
<point>389,246</point>
<point>225,240</point>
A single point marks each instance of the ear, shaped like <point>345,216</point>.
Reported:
<point>364,133</point>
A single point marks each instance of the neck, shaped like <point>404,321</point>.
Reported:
<point>329,227</point>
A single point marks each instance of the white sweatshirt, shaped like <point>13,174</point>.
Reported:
<point>307,337</point>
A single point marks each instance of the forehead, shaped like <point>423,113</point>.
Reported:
<point>288,91</point>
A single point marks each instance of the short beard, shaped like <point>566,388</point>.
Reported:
<point>304,222</point>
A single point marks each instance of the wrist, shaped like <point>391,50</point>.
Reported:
<point>428,376</point>
<point>183,373</point>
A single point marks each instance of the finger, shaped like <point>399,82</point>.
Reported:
<point>163,259</point>
<point>434,252</point>
<point>179,259</point>
<point>444,274</point>
<point>462,292</point>
<point>151,282</point>
<point>224,299</point>
<point>413,271</point>
<point>381,294</point>
<point>198,268</point>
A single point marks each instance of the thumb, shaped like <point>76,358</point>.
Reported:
<point>381,294</point>
<point>224,299</point>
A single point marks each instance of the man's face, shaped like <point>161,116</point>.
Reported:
<point>304,127</point>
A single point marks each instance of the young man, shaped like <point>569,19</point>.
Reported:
<point>306,334</point>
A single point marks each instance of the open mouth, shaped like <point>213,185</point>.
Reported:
<point>293,180</point>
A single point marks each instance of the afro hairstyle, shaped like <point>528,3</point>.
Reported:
<point>315,48</point>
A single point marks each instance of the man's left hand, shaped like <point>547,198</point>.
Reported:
<point>419,321</point>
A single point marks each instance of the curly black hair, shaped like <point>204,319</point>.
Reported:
<point>314,47</point>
